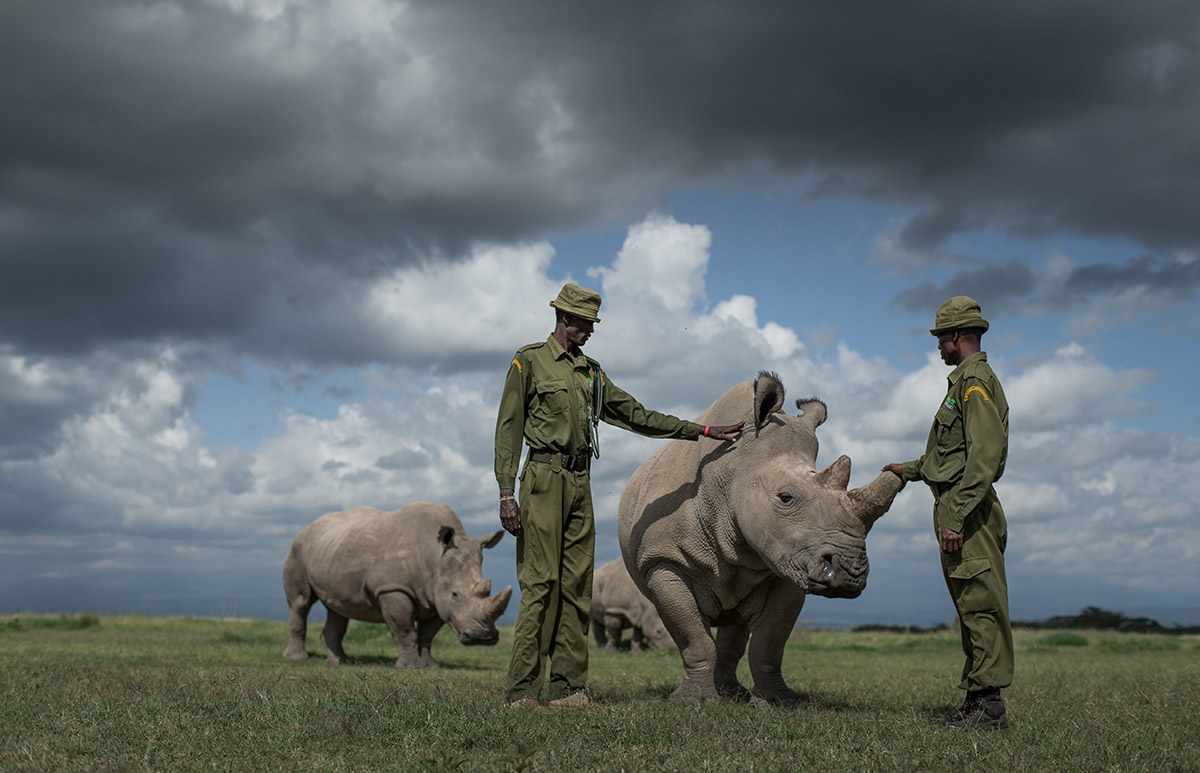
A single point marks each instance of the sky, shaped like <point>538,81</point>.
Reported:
<point>266,259</point>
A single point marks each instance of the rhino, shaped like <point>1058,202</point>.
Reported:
<point>412,565</point>
<point>617,604</point>
<point>735,536</point>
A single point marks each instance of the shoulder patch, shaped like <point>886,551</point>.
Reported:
<point>978,389</point>
<point>518,364</point>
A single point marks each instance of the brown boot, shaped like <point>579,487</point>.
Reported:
<point>576,700</point>
<point>988,713</point>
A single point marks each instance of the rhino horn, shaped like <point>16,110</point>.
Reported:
<point>483,588</point>
<point>872,500</point>
<point>499,602</point>
<point>836,475</point>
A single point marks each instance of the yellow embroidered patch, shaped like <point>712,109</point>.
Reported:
<point>514,362</point>
<point>978,389</point>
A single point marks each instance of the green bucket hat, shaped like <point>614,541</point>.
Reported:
<point>580,301</point>
<point>958,313</point>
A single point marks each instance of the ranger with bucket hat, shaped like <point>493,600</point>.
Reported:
<point>553,398</point>
<point>964,456</point>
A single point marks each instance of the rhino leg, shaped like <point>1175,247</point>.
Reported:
<point>335,629</point>
<point>426,630</point>
<point>769,631</point>
<point>300,598</point>
<point>599,632</point>
<point>635,641</point>
<point>731,645</point>
<point>681,615</point>
<point>613,625</point>
<point>397,609</point>
<point>298,625</point>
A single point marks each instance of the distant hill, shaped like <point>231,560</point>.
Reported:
<point>1090,618</point>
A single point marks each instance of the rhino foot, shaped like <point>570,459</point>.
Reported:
<point>295,653</point>
<point>690,692</point>
<point>786,697</point>
<point>734,692</point>
<point>419,661</point>
<point>343,660</point>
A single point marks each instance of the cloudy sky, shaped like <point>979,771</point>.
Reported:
<point>265,259</point>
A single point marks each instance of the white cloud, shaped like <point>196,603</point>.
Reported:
<point>1082,494</point>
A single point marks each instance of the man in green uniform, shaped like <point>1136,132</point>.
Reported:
<point>965,455</point>
<point>553,398</point>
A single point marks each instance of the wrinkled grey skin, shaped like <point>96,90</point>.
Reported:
<point>734,536</point>
<point>617,604</point>
<point>415,565</point>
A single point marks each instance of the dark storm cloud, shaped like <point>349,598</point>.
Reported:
<point>1018,287</point>
<point>192,170</point>
<point>996,286</point>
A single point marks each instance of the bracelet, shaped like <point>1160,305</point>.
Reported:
<point>508,498</point>
<point>706,430</point>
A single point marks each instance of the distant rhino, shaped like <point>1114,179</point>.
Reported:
<point>412,565</point>
<point>735,536</point>
<point>617,604</point>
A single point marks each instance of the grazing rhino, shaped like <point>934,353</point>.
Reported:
<point>617,604</point>
<point>412,565</point>
<point>735,536</point>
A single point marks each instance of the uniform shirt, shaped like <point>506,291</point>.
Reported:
<point>546,398</point>
<point>968,442</point>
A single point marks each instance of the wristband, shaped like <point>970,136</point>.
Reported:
<point>706,430</point>
<point>508,498</point>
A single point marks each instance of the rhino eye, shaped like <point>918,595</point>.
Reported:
<point>785,497</point>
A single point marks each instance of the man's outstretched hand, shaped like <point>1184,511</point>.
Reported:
<point>729,433</point>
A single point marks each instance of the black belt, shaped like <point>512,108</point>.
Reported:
<point>570,463</point>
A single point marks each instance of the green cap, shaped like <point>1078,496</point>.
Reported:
<point>958,313</point>
<point>580,301</point>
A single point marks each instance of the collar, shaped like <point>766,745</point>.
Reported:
<point>957,373</point>
<point>561,353</point>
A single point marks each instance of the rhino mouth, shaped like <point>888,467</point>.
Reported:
<point>472,639</point>
<point>836,576</point>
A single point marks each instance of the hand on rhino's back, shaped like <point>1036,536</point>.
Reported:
<point>415,565</point>
<point>738,535</point>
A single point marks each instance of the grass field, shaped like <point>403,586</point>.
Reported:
<point>146,693</point>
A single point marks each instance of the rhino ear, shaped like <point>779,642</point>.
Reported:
<point>768,397</point>
<point>490,540</point>
<point>836,475</point>
<point>446,537</point>
<point>812,410</point>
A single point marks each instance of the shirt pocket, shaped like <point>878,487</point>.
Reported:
<point>552,396</point>
<point>949,428</point>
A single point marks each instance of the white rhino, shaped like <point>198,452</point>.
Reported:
<point>735,536</point>
<point>412,565</point>
<point>617,604</point>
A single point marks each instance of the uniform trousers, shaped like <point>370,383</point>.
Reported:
<point>978,586</point>
<point>555,555</point>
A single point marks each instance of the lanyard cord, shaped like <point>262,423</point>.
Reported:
<point>594,410</point>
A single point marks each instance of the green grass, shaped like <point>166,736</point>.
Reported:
<point>146,693</point>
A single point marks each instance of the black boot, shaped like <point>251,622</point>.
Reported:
<point>964,711</point>
<point>987,712</point>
